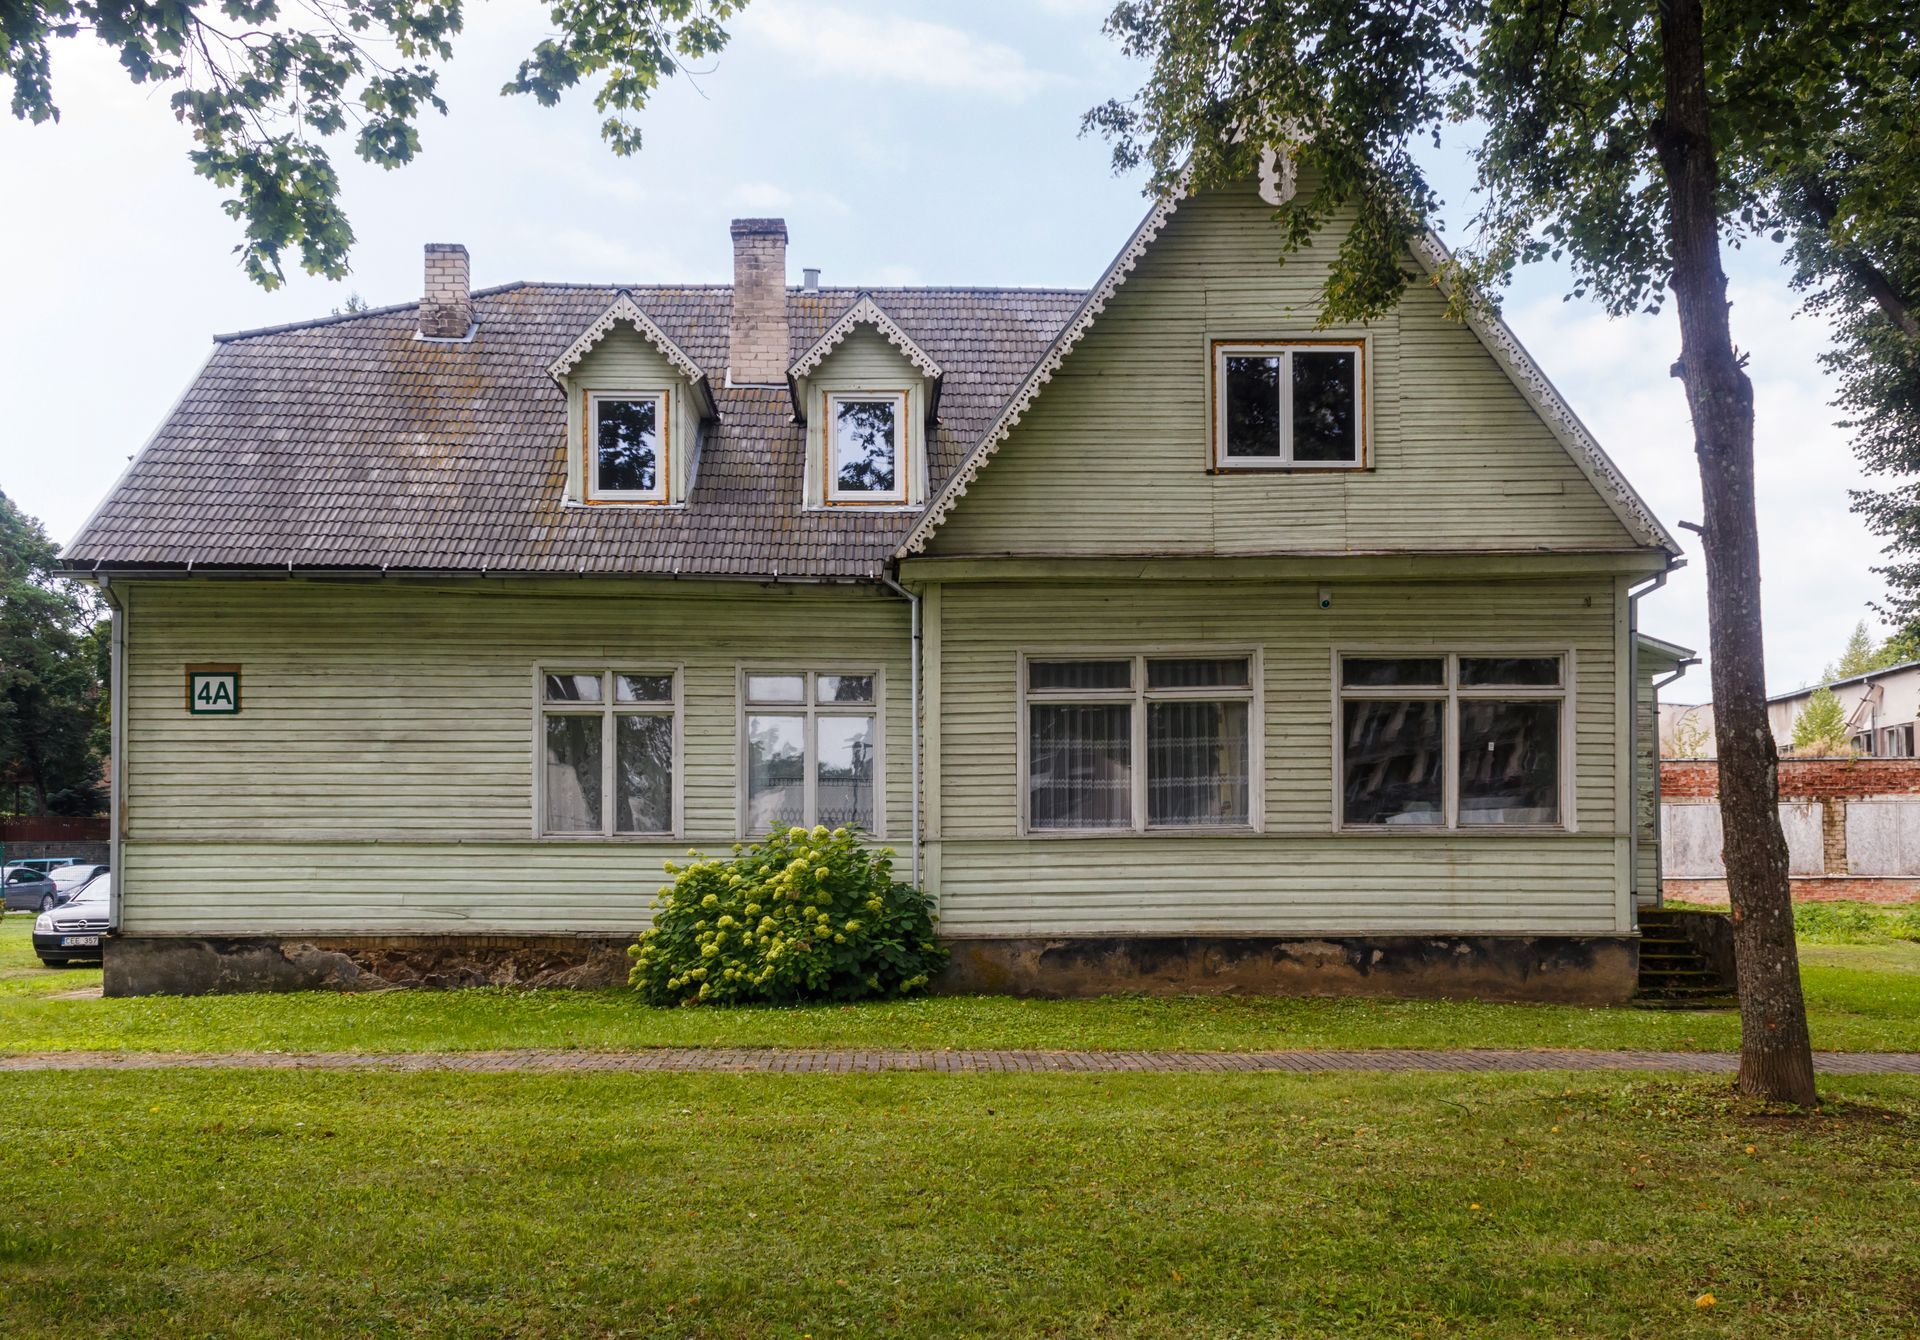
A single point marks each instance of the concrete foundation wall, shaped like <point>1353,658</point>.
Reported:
<point>86,852</point>
<point>184,965</point>
<point>1594,970</point>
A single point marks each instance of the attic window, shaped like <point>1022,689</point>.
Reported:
<point>1289,405</point>
<point>626,446</point>
<point>863,440</point>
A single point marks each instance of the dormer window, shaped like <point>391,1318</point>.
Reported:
<point>869,397</point>
<point>863,439</point>
<point>627,446</point>
<point>638,410</point>
<point>1284,404</point>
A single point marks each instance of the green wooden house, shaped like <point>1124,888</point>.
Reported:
<point>1173,642</point>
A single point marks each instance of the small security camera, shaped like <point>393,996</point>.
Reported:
<point>1326,597</point>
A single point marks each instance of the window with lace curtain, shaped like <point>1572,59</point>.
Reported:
<point>1132,743</point>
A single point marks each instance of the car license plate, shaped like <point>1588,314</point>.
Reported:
<point>79,942</point>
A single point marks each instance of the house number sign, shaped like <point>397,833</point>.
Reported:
<point>213,690</point>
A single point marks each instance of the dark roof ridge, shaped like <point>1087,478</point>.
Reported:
<point>574,284</point>
<point>390,309</point>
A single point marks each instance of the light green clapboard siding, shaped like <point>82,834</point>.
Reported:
<point>1279,884</point>
<point>624,360</point>
<point>387,736</point>
<point>1646,801</point>
<point>1299,875</point>
<point>1112,456</point>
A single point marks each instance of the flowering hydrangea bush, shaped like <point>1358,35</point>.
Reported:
<point>800,915</point>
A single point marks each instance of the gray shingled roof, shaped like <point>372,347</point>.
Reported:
<point>347,443</point>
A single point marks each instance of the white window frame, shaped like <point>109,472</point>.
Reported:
<point>810,674</point>
<point>607,709</point>
<point>1139,695</point>
<point>830,489</point>
<point>1452,694</point>
<point>1222,461</point>
<point>590,449</point>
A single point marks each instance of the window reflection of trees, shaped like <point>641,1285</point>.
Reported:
<point>1323,428</point>
<point>644,759</point>
<point>627,438</point>
<point>863,446</point>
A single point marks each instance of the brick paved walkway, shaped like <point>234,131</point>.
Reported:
<point>776,1060</point>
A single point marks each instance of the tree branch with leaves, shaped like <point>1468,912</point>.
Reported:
<point>264,88</point>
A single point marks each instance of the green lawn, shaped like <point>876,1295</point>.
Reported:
<point>1862,997</point>
<point>235,1203</point>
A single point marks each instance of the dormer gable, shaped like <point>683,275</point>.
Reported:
<point>868,395</point>
<point>637,409</point>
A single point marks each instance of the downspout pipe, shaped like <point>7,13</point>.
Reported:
<point>117,745</point>
<point>913,711</point>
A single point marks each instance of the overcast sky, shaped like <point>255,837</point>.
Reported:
<point>903,143</point>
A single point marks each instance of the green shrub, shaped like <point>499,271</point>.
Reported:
<point>799,915</point>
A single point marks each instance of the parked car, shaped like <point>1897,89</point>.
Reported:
<point>71,934</point>
<point>70,879</point>
<point>29,890</point>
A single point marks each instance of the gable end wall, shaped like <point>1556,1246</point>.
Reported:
<point>1112,457</point>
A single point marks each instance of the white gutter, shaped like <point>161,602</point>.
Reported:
<point>913,710</point>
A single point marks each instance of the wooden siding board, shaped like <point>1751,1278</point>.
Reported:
<point>403,712</point>
<point>1112,456</point>
<point>1298,875</point>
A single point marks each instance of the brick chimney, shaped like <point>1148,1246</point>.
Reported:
<point>446,309</point>
<point>757,343</point>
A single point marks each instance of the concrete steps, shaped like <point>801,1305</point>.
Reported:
<point>1674,975</point>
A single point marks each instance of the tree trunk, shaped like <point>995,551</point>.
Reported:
<point>1776,1058</point>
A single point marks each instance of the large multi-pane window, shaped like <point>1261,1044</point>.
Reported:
<point>1282,404</point>
<point>811,741</point>
<point>626,447</point>
<point>607,752</point>
<point>1452,741</point>
<point>1138,742</point>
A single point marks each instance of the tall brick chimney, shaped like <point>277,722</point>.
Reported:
<point>757,343</point>
<point>446,308</point>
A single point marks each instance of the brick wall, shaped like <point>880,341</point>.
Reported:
<point>55,828</point>
<point>757,339</point>
<point>1800,778</point>
<point>446,306</point>
<point>1831,782</point>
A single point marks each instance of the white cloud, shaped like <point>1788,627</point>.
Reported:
<point>611,260</point>
<point>771,196</point>
<point>762,195</point>
<point>831,41</point>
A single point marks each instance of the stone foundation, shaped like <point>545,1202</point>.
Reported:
<point>1589,970</point>
<point>1597,970</point>
<point>168,965</point>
